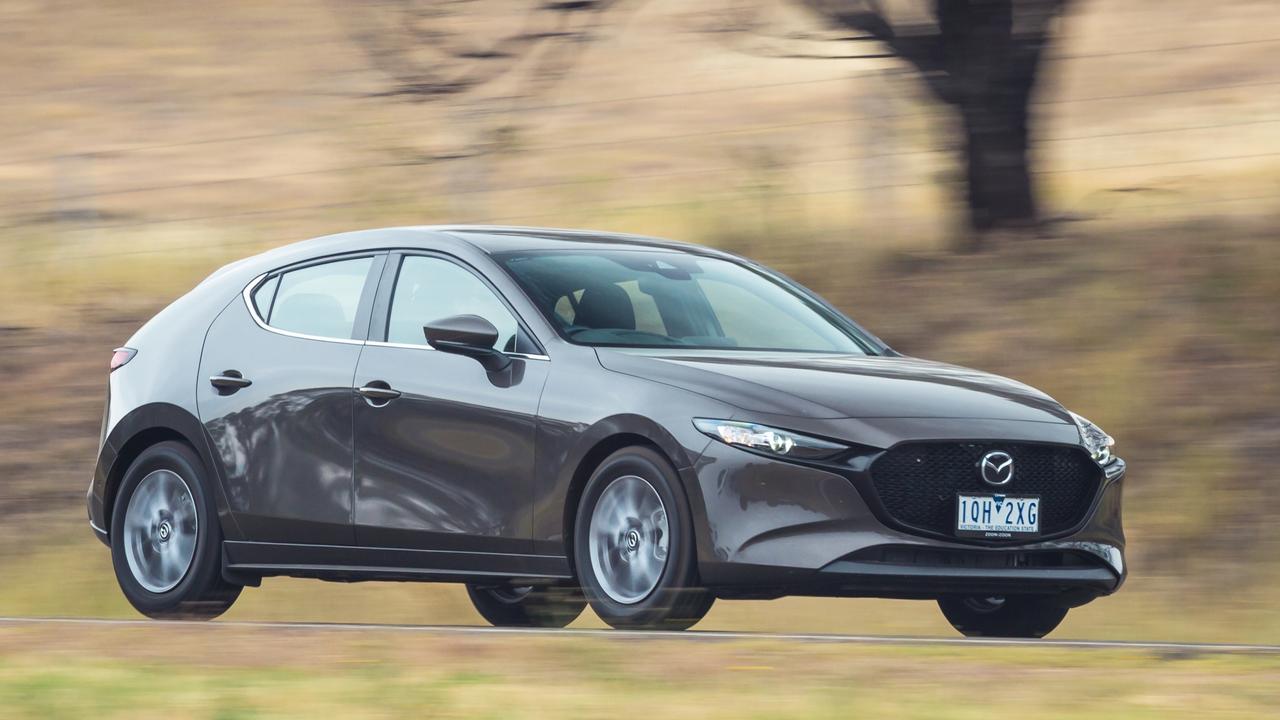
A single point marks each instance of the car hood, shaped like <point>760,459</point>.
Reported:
<point>838,386</point>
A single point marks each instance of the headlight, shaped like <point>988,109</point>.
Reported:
<point>768,440</point>
<point>1097,442</point>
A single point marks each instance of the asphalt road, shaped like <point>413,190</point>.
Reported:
<point>688,636</point>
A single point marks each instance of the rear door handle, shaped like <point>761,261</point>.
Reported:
<point>378,392</point>
<point>229,381</point>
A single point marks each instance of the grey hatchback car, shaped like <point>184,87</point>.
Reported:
<point>557,418</point>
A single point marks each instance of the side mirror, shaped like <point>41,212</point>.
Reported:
<point>469,335</point>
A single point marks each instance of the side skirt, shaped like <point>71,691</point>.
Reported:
<point>245,561</point>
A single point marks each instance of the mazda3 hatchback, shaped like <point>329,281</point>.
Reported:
<point>557,418</point>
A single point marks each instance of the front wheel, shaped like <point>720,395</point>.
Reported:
<point>1011,617</point>
<point>166,544</point>
<point>549,606</point>
<point>633,545</point>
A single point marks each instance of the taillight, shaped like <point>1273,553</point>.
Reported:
<point>121,356</point>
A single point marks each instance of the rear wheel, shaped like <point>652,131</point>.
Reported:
<point>166,543</point>
<point>1013,616</point>
<point>633,545</point>
<point>552,606</point>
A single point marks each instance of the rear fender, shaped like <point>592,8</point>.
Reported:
<point>139,429</point>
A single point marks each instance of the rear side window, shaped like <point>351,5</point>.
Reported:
<point>319,300</point>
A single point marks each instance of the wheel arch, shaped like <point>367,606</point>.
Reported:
<point>142,428</point>
<point>611,435</point>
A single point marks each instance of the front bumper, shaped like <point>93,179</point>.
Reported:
<point>768,528</point>
<point>891,571</point>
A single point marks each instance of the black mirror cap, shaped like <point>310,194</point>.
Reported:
<point>469,335</point>
<point>462,329</point>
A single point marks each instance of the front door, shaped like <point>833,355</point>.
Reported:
<point>447,463</point>
<point>275,395</point>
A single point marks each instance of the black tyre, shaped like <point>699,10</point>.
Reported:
<point>633,545</point>
<point>166,544</point>
<point>1011,617</point>
<point>550,606</point>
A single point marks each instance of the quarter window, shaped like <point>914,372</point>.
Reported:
<point>264,296</point>
<point>319,300</point>
<point>430,289</point>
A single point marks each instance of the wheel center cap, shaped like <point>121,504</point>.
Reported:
<point>633,540</point>
<point>165,531</point>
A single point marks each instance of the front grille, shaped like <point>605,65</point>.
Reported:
<point>917,482</point>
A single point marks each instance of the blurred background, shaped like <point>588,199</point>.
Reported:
<point>1080,194</point>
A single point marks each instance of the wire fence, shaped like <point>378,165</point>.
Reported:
<point>408,124</point>
<point>1177,202</point>
<point>350,168</point>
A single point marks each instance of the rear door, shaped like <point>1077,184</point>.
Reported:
<point>448,464</point>
<point>275,395</point>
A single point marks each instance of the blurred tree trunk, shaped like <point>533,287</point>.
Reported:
<point>983,58</point>
<point>993,72</point>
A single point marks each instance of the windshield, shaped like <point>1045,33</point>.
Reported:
<point>642,298</point>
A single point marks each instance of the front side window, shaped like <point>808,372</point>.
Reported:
<point>429,289</point>
<point>643,298</point>
<point>319,300</point>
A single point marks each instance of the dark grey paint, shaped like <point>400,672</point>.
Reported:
<point>285,442</point>
<point>449,464</point>
<point>835,386</point>
<point>473,474</point>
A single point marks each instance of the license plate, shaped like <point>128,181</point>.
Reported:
<point>997,516</point>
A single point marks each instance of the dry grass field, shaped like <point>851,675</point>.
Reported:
<point>224,673</point>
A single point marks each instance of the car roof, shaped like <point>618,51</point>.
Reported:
<point>498,238</point>
<point>489,239</point>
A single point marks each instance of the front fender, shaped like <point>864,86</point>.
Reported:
<point>568,454</point>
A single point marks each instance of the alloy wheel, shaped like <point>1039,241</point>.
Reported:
<point>160,530</point>
<point>628,539</point>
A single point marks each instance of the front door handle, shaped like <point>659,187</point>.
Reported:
<point>229,381</point>
<point>378,392</point>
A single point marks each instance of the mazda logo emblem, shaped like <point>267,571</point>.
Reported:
<point>996,468</point>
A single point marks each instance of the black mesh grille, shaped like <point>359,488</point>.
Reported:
<point>917,482</point>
